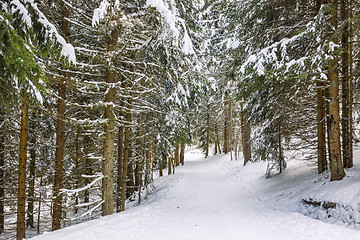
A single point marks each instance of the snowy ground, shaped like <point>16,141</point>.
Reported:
<point>219,199</point>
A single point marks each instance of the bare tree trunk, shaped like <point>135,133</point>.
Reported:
<point>281,155</point>
<point>59,157</point>
<point>321,147</point>
<point>160,169</point>
<point>20,225</point>
<point>108,156</point>
<point>345,124</point>
<point>138,175</point>
<point>126,156</point>
<point>182,153</point>
<point>2,170</point>
<point>327,113</point>
<point>216,140</point>
<point>351,151</point>
<point>169,165</point>
<point>337,170</point>
<point>39,207</point>
<point>130,185</point>
<point>245,135</point>
<point>177,154</point>
<point>120,168</point>
<point>230,137</point>
<point>77,166</point>
<point>31,197</point>
<point>207,132</point>
<point>60,137</point>
<point>88,165</point>
<point>148,164</point>
<point>139,161</point>
<point>226,126</point>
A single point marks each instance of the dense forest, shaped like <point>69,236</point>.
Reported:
<point>99,96</point>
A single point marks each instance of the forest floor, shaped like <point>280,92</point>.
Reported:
<point>219,199</point>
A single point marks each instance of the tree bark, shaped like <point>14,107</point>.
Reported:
<point>169,165</point>
<point>207,132</point>
<point>177,153</point>
<point>130,185</point>
<point>230,137</point>
<point>139,161</point>
<point>59,157</point>
<point>327,113</point>
<point>226,126</point>
<point>148,164</point>
<point>88,164</point>
<point>2,170</point>
<point>161,167</point>
<point>120,168</point>
<point>60,137</point>
<point>245,137</point>
<point>351,153</point>
<point>345,123</point>
<point>20,225</point>
<point>182,153</point>
<point>337,170</point>
<point>108,156</point>
<point>31,197</point>
<point>126,155</point>
<point>39,208</point>
<point>77,165</point>
<point>281,155</point>
<point>321,147</point>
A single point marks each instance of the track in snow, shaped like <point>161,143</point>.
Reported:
<point>202,202</point>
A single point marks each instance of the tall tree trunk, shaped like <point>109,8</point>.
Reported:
<point>230,137</point>
<point>182,153</point>
<point>77,166</point>
<point>88,164</point>
<point>345,85</point>
<point>281,155</point>
<point>126,155</point>
<point>148,164</point>
<point>130,185</point>
<point>31,197</point>
<point>207,131</point>
<point>327,113</point>
<point>351,153</point>
<point>20,225</point>
<point>217,141</point>
<point>39,207</point>
<point>2,170</point>
<point>60,137</point>
<point>139,162</point>
<point>59,157</point>
<point>138,175</point>
<point>177,153</point>
<point>120,168</point>
<point>245,137</point>
<point>108,156</point>
<point>169,165</point>
<point>226,126</point>
<point>321,147</point>
<point>337,170</point>
<point>161,167</point>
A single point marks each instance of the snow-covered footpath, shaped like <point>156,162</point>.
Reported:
<point>216,198</point>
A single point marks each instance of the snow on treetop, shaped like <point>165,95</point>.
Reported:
<point>100,12</point>
<point>51,31</point>
<point>171,19</point>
